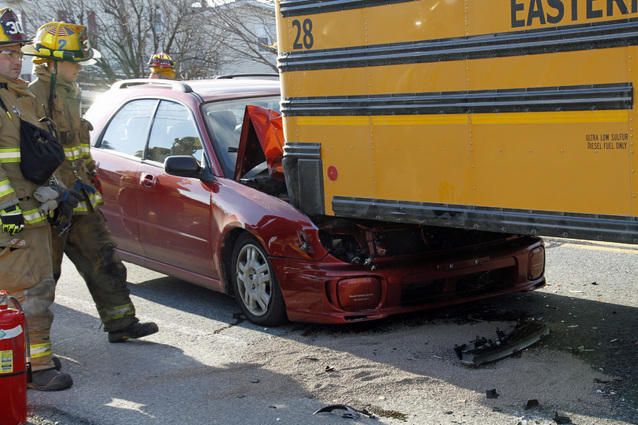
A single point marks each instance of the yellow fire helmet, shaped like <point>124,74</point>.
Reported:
<point>60,41</point>
<point>12,30</point>
<point>161,60</point>
<point>162,66</point>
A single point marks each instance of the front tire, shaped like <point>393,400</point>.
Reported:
<point>255,285</point>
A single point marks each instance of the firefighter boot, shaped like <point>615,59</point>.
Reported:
<point>50,380</point>
<point>57,364</point>
<point>134,330</point>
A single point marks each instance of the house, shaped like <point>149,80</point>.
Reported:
<point>249,48</point>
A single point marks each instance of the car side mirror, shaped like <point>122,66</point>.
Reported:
<point>183,166</point>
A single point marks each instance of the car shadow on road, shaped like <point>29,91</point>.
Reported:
<point>156,380</point>
<point>170,291</point>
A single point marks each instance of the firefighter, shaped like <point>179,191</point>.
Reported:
<point>162,66</point>
<point>60,51</point>
<point>25,239</point>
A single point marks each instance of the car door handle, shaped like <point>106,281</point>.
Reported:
<point>148,180</point>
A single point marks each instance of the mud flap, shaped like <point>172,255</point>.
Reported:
<point>508,342</point>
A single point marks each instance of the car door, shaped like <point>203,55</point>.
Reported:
<point>119,153</point>
<point>175,212</point>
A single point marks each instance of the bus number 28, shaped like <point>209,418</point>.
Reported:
<point>304,34</point>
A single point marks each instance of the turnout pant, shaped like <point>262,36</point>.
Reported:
<point>90,247</point>
<point>27,275</point>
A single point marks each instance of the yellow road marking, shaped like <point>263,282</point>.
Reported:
<point>602,248</point>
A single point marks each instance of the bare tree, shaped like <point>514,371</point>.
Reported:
<point>250,29</point>
<point>128,32</point>
<point>132,30</point>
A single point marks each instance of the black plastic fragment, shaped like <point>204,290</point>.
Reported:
<point>491,393</point>
<point>561,419</point>
<point>531,404</point>
<point>350,413</point>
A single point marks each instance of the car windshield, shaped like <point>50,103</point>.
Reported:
<point>224,121</point>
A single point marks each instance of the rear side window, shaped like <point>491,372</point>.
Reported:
<point>127,132</point>
<point>174,133</point>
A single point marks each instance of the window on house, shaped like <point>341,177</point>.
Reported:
<point>263,38</point>
<point>263,43</point>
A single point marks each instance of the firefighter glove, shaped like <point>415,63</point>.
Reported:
<point>12,220</point>
<point>47,197</point>
<point>67,200</point>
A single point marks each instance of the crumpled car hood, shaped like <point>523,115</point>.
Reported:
<point>262,139</point>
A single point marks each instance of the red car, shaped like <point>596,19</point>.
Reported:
<point>193,188</point>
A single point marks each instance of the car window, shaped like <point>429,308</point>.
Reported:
<point>224,120</point>
<point>173,133</point>
<point>127,131</point>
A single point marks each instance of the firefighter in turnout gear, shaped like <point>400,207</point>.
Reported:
<point>60,51</point>
<point>162,66</point>
<point>25,237</point>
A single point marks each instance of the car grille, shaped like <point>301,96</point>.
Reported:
<point>441,290</point>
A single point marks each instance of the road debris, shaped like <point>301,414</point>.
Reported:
<point>532,404</point>
<point>561,419</point>
<point>350,413</point>
<point>491,393</point>
<point>483,350</point>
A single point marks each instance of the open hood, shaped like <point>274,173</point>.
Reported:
<point>262,139</point>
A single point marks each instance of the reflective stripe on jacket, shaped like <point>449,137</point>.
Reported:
<point>15,189</point>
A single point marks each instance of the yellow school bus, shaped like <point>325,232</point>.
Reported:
<point>501,115</point>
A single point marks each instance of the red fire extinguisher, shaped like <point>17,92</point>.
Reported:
<point>14,362</point>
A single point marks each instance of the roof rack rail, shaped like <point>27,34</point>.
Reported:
<point>173,85</point>
<point>231,76</point>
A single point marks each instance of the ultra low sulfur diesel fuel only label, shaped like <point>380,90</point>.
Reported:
<point>607,141</point>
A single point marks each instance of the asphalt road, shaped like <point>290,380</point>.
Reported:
<point>208,365</point>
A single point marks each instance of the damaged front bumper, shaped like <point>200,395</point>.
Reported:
<point>508,342</point>
<point>332,291</point>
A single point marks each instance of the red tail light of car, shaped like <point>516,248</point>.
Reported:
<point>536,265</point>
<point>359,293</point>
